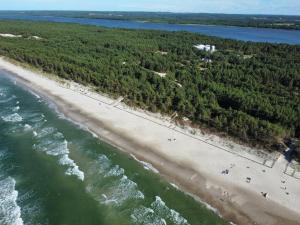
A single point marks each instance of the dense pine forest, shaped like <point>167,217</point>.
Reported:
<point>247,90</point>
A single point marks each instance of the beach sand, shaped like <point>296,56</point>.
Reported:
<point>245,185</point>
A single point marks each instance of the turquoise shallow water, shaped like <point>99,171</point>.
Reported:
<point>54,172</point>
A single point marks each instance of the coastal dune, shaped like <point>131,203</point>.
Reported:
<point>246,185</point>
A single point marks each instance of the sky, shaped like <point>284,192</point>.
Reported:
<point>283,7</point>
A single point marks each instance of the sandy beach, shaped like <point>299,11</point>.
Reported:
<point>245,185</point>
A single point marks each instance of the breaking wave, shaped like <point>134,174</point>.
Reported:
<point>36,120</point>
<point>147,166</point>
<point>33,210</point>
<point>27,127</point>
<point>3,92</point>
<point>10,212</point>
<point>146,216</point>
<point>16,109</point>
<point>14,118</point>
<point>73,168</point>
<point>8,99</point>
<point>118,188</point>
<point>157,214</point>
<point>161,209</point>
<point>52,142</point>
<point>123,190</point>
<point>34,94</point>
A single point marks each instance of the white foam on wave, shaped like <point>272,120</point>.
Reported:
<point>53,147</point>
<point>16,109</point>
<point>209,207</point>
<point>174,186</point>
<point>34,117</point>
<point>147,166</point>
<point>14,118</point>
<point>2,155</point>
<point>8,99</point>
<point>33,209</point>
<point>10,212</point>
<point>121,191</point>
<point>2,94</point>
<point>46,131</point>
<point>35,94</point>
<point>53,143</point>
<point>146,216</point>
<point>103,163</point>
<point>27,127</point>
<point>118,189</point>
<point>38,122</point>
<point>162,210</point>
<point>108,201</point>
<point>73,168</point>
<point>115,171</point>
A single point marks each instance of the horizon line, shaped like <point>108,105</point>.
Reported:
<point>143,11</point>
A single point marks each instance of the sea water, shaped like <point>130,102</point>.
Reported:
<point>252,34</point>
<point>54,172</point>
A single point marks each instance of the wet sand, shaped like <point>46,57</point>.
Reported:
<point>228,176</point>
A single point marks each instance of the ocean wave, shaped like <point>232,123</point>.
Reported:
<point>146,216</point>
<point>162,210</point>
<point>3,153</point>
<point>122,190</point>
<point>10,212</point>
<point>33,210</point>
<point>211,208</point>
<point>115,171</point>
<point>2,92</point>
<point>5,156</point>
<point>8,99</point>
<point>14,118</point>
<point>73,168</point>
<point>34,94</point>
<point>52,142</point>
<point>101,166</point>
<point>52,147</point>
<point>45,131</point>
<point>27,127</point>
<point>16,109</point>
<point>118,188</point>
<point>104,163</point>
<point>174,186</point>
<point>33,117</point>
<point>147,166</point>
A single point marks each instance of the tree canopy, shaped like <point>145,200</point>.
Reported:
<point>247,90</point>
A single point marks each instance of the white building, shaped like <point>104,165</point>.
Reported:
<point>213,48</point>
<point>207,48</point>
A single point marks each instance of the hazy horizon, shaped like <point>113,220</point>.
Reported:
<point>255,7</point>
<point>140,11</point>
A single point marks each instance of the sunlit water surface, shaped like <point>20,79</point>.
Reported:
<point>54,172</point>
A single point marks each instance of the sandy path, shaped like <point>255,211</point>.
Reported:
<point>227,175</point>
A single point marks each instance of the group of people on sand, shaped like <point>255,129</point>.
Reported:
<point>248,180</point>
<point>170,139</point>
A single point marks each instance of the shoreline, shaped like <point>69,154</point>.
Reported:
<point>191,162</point>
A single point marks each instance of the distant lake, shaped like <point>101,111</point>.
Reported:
<point>237,33</point>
